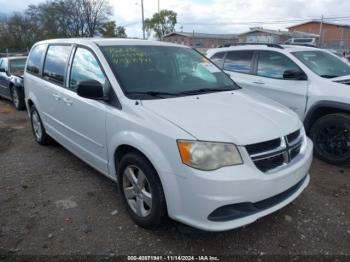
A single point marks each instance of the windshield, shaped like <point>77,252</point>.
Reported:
<point>324,64</point>
<point>17,65</point>
<point>149,72</point>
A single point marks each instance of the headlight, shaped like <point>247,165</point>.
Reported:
<point>208,155</point>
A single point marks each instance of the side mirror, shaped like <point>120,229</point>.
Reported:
<point>294,75</point>
<point>2,70</point>
<point>91,89</point>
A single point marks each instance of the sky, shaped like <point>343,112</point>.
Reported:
<point>218,16</point>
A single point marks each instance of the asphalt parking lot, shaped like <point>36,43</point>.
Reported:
<point>52,203</point>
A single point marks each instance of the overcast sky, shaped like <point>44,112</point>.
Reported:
<point>218,16</point>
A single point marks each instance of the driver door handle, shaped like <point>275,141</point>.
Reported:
<point>259,83</point>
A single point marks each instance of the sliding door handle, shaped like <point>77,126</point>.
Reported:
<point>67,101</point>
<point>57,97</point>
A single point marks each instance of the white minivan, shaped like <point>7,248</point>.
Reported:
<point>177,134</point>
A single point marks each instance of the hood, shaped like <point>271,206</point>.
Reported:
<point>236,117</point>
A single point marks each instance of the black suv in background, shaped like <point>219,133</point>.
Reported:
<point>11,80</point>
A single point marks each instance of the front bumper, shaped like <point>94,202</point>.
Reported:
<point>197,195</point>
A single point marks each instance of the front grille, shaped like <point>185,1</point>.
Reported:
<point>291,137</point>
<point>263,146</point>
<point>274,153</point>
<point>269,163</point>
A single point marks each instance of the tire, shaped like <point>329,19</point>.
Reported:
<point>17,95</point>
<point>38,128</point>
<point>331,137</point>
<point>134,165</point>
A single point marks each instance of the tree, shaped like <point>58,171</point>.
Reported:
<point>56,19</point>
<point>16,33</point>
<point>161,23</point>
<point>110,29</point>
<point>95,14</point>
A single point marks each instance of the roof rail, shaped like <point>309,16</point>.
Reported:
<point>267,44</point>
<point>300,44</point>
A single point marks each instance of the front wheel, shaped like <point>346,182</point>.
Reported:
<point>331,137</point>
<point>141,191</point>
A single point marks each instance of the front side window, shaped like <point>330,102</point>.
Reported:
<point>323,63</point>
<point>35,58</point>
<point>239,61</point>
<point>85,67</point>
<point>144,71</point>
<point>273,64</point>
<point>55,63</point>
<point>218,59</point>
<point>303,40</point>
<point>17,65</point>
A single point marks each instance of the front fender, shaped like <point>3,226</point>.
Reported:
<point>156,155</point>
<point>145,145</point>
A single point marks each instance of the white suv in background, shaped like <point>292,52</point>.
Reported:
<point>179,136</point>
<point>312,82</point>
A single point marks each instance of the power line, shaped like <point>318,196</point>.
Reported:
<point>265,22</point>
<point>285,21</point>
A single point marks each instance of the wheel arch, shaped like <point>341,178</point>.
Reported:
<point>124,142</point>
<point>148,149</point>
<point>323,108</point>
<point>31,101</point>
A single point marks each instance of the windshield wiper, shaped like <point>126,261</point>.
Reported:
<point>151,93</point>
<point>205,90</point>
<point>328,76</point>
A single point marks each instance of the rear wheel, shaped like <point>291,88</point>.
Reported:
<point>17,95</point>
<point>331,137</point>
<point>141,191</point>
<point>38,128</point>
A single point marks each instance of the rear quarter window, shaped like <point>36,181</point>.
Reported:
<point>35,59</point>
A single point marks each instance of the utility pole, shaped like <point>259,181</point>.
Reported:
<point>193,39</point>
<point>160,38</point>
<point>321,32</point>
<point>143,21</point>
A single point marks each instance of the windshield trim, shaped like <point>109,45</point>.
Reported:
<point>234,86</point>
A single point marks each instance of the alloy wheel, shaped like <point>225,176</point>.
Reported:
<point>334,140</point>
<point>137,191</point>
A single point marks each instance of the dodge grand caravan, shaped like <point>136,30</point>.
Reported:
<point>179,137</point>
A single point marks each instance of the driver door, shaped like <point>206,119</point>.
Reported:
<point>268,81</point>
